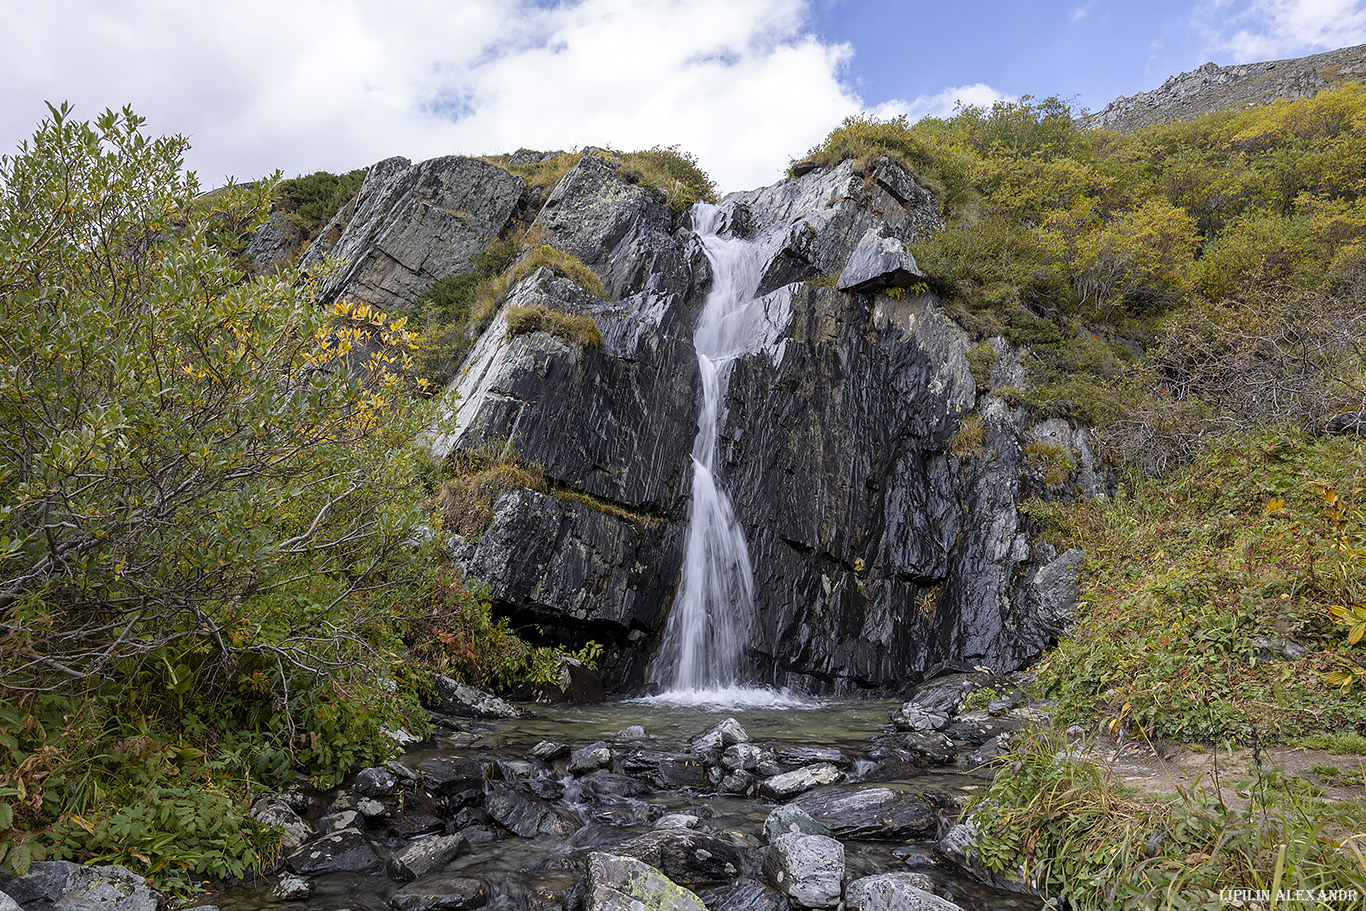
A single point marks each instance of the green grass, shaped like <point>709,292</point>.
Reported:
<point>1351,743</point>
<point>1183,572</point>
<point>1058,820</point>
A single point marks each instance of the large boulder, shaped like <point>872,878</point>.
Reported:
<point>894,892</point>
<point>455,698</point>
<point>614,883</point>
<point>342,851</point>
<point>411,225</point>
<point>622,230</point>
<point>876,813</point>
<point>64,886</point>
<point>687,856</point>
<point>808,869</point>
<point>443,892</point>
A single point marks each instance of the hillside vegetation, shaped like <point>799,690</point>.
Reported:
<point>1197,293</point>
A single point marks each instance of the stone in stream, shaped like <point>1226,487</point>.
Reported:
<point>686,855</point>
<point>590,758</point>
<point>808,869</point>
<point>547,751</point>
<point>911,717</point>
<point>790,784</point>
<point>791,758</point>
<point>271,811</point>
<point>338,820</point>
<point>739,782</point>
<point>343,851</point>
<point>718,737</point>
<point>375,782</point>
<point>412,825</point>
<point>871,813</point>
<point>677,821</point>
<point>748,895</point>
<point>746,756</point>
<point>894,892</point>
<point>455,698</point>
<point>523,815</point>
<point>443,892</point>
<point>450,774</point>
<point>292,888</point>
<point>788,818</point>
<point>614,883</point>
<point>921,748</point>
<point>64,886</point>
<point>427,855</point>
<point>665,771</point>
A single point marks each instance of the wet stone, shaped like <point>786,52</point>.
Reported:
<point>894,892</point>
<point>450,774</point>
<point>523,815</point>
<point>790,784</point>
<point>739,783</point>
<point>426,856</point>
<point>292,888</point>
<point>343,851</point>
<point>375,782</point>
<point>788,819</point>
<point>443,892</point>
<point>614,883</point>
<point>687,856</point>
<point>748,895</point>
<point>792,758</point>
<point>808,869</point>
<point>746,756</point>
<point>666,771</point>
<point>590,758</point>
<point>546,751</point>
<point>411,825</point>
<point>719,736</point>
<point>871,813</point>
<point>342,819</point>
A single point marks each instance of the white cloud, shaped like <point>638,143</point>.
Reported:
<point>1250,30</point>
<point>333,84</point>
<point>1079,13</point>
<point>942,104</point>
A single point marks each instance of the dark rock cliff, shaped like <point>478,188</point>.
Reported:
<point>877,551</point>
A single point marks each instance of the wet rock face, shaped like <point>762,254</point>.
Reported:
<point>625,232</point>
<point>615,421</point>
<point>877,552</point>
<point>413,224</point>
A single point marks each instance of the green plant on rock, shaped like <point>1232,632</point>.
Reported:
<point>578,329</point>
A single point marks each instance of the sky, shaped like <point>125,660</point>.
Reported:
<point>744,85</point>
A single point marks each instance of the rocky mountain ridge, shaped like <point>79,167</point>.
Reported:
<point>1212,88</point>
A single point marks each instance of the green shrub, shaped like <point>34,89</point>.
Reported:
<point>671,171</point>
<point>314,199</point>
<point>580,330</point>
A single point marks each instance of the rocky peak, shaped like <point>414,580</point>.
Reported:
<point>1211,87</point>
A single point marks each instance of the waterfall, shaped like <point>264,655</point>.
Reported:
<point>703,646</point>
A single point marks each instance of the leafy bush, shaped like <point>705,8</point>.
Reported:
<point>203,509</point>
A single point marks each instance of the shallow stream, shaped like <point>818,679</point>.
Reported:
<point>532,874</point>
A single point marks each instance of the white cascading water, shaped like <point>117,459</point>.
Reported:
<point>702,650</point>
